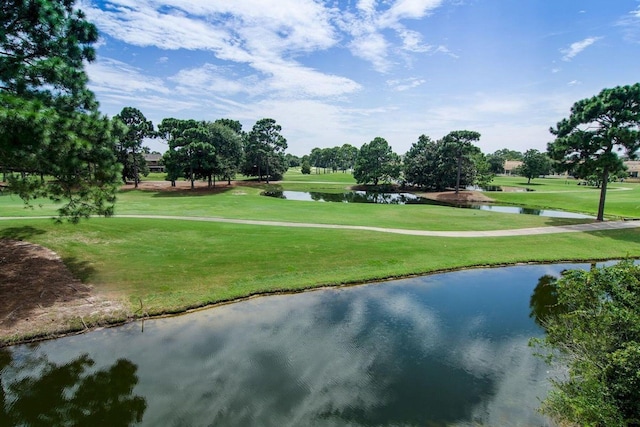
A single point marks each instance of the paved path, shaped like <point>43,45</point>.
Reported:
<point>593,226</point>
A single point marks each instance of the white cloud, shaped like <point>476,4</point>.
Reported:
<point>577,47</point>
<point>373,48</point>
<point>630,25</point>
<point>368,27</point>
<point>405,84</point>
<point>111,76</point>
<point>409,9</point>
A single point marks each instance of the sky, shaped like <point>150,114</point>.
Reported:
<point>334,72</point>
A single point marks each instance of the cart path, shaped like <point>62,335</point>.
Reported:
<point>576,228</point>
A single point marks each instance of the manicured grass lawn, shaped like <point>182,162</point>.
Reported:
<point>170,265</point>
<point>246,203</point>
<point>623,199</point>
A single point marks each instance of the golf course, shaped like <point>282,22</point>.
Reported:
<point>171,250</point>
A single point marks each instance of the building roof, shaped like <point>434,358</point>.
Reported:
<point>152,157</point>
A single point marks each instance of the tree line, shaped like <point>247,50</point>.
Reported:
<point>55,143</point>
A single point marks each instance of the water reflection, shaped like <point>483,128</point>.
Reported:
<point>447,349</point>
<point>37,392</point>
<point>349,197</point>
<point>409,198</point>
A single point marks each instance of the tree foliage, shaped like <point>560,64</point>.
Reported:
<point>593,328</point>
<point>264,151</point>
<point>459,143</point>
<point>587,141</point>
<point>54,143</point>
<point>534,164</point>
<point>376,162</point>
<point>435,165</point>
<point>129,149</point>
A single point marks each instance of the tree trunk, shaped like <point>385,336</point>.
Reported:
<point>267,170</point>
<point>603,193</point>
<point>135,169</point>
<point>459,173</point>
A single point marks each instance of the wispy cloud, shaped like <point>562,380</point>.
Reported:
<point>368,25</point>
<point>110,75</point>
<point>577,47</point>
<point>405,84</point>
<point>630,24</point>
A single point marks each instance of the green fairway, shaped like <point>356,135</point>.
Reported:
<point>170,265</point>
<point>622,201</point>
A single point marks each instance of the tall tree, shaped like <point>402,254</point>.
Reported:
<point>54,142</point>
<point>129,149</point>
<point>226,138</point>
<point>376,162</point>
<point>347,154</point>
<point>264,151</point>
<point>534,164</point>
<point>434,165</point>
<point>595,130</point>
<point>421,163</point>
<point>460,144</point>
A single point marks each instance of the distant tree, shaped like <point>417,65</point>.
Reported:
<point>508,154</point>
<point>129,149</point>
<point>171,130</point>
<point>292,161</point>
<point>434,165</point>
<point>459,143</point>
<point>306,167</point>
<point>421,164</point>
<point>347,155</point>
<point>197,153</point>
<point>596,128</point>
<point>376,162</point>
<point>533,165</point>
<point>592,323</point>
<point>483,174</point>
<point>53,140</point>
<point>496,163</point>
<point>227,142</point>
<point>264,151</point>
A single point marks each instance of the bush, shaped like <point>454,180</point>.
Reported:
<point>596,336</point>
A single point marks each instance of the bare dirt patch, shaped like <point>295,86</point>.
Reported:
<point>465,196</point>
<point>40,297</point>
<point>185,186</point>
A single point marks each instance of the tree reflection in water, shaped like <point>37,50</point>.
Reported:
<point>544,300</point>
<point>66,395</point>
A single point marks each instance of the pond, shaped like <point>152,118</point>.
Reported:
<point>447,349</point>
<point>410,198</point>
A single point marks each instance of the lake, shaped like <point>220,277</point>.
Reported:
<point>446,349</point>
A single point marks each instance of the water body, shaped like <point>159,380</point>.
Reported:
<point>409,198</point>
<point>448,349</point>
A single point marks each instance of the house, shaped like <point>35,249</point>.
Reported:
<point>510,166</point>
<point>154,161</point>
<point>633,168</point>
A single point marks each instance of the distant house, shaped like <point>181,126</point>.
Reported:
<point>633,168</point>
<point>510,166</point>
<point>154,161</point>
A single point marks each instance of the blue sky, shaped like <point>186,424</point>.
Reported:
<point>345,71</point>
